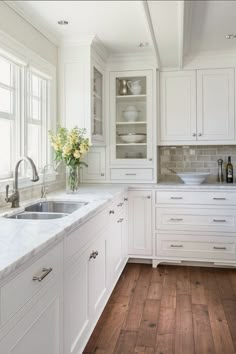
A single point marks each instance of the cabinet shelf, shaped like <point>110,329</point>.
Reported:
<point>131,98</point>
<point>130,123</point>
<point>131,144</point>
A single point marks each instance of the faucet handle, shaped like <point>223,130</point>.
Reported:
<point>7,193</point>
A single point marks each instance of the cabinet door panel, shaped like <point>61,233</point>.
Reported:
<point>96,161</point>
<point>215,104</point>
<point>140,223</point>
<point>114,249</point>
<point>178,106</point>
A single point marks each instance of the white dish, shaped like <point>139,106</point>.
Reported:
<point>130,116</point>
<point>132,138</point>
<point>193,177</point>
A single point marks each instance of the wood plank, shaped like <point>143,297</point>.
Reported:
<point>165,344</point>
<point>224,285</point>
<point>219,326</point>
<point>148,327</point>
<point>166,321</point>
<point>232,276</point>
<point>170,277</point>
<point>133,319</point>
<point>183,284</point>
<point>209,279</point>
<point>202,330</point>
<point>143,350</point>
<point>143,283</point>
<point>126,342</point>
<point>155,291</point>
<point>158,274</point>
<point>184,340</point>
<point>197,287</point>
<point>230,313</point>
<point>127,281</point>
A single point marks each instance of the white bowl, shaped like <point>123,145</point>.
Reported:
<point>130,116</point>
<point>132,138</point>
<point>193,177</point>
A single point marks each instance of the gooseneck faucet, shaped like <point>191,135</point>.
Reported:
<point>14,198</point>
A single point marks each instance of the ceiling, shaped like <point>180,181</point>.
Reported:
<point>175,30</point>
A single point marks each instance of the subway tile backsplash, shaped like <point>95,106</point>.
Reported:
<point>194,159</point>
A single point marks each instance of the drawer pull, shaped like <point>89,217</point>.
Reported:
<point>120,204</point>
<point>219,220</point>
<point>120,220</point>
<point>176,198</point>
<point>45,272</point>
<point>176,246</point>
<point>219,198</point>
<point>111,212</point>
<point>93,255</point>
<point>131,174</point>
<point>176,219</point>
<point>126,199</point>
<point>219,248</point>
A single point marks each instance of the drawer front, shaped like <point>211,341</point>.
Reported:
<point>195,219</point>
<point>21,289</point>
<point>192,247</point>
<point>128,174</point>
<point>196,197</point>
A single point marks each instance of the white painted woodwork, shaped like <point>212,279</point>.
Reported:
<point>96,161</point>
<point>140,223</point>
<point>178,106</point>
<point>40,329</point>
<point>131,174</point>
<point>215,104</point>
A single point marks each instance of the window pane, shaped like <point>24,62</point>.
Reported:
<point>5,147</point>
<point>5,72</point>
<point>35,86</point>
<point>35,104</point>
<point>34,143</point>
<point>5,100</point>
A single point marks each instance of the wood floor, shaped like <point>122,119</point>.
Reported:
<point>169,310</point>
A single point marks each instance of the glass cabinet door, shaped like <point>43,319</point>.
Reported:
<point>97,107</point>
<point>132,119</point>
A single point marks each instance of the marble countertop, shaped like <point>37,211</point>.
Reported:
<point>22,240</point>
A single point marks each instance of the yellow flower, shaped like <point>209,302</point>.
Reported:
<point>66,150</point>
<point>76,154</point>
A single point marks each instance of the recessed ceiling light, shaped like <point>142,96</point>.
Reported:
<point>230,36</point>
<point>143,44</point>
<point>62,22</point>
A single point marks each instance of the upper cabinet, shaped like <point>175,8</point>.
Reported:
<point>197,107</point>
<point>82,78</point>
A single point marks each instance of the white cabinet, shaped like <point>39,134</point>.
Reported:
<point>178,106</point>
<point>140,223</point>
<point>96,161</point>
<point>215,104</point>
<point>132,119</point>
<point>82,77</point>
<point>197,107</point>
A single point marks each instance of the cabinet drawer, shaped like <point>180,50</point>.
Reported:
<point>195,219</point>
<point>192,247</point>
<point>21,289</point>
<point>196,197</point>
<point>128,174</point>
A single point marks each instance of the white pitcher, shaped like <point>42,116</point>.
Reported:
<point>134,87</point>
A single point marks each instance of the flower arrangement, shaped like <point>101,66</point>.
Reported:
<point>70,146</point>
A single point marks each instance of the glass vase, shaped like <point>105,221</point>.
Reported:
<point>72,179</point>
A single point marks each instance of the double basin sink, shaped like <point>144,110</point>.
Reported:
<point>48,210</point>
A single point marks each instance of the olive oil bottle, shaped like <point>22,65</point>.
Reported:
<point>229,171</point>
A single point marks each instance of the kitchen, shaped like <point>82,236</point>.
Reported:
<point>117,252</point>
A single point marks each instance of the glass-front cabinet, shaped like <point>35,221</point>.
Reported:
<point>97,116</point>
<point>131,118</point>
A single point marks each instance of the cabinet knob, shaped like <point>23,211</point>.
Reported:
<point>111,211</point>
<point>43,274</point>
<point>102,174</point>
<point>200,134</point>
<point>150,159</point>
<point>194,134</point>
<point>148,197</point>
<point>126,199</point>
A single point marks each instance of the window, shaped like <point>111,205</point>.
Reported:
<point>24,112</point>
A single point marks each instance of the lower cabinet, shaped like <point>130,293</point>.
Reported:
<point>140,223</point>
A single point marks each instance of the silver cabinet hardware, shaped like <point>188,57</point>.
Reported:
<point>200,134</point>
<point>219,220</point>
<point>219,248</point>
<point>194,134</point>
<point>120,204</point>
<point>219,198</point>
<point>176,219</point>
<point>120,220</point>
<point>150,159</point>
<point>148,197</point>
<point>43,274</point>
<point>176,198</point>
<point>111,211</point>
<point>131,174</point>
<point>93,255</point>
<point>102,174</point>
<point>176,246</point>
<point>125,199</point>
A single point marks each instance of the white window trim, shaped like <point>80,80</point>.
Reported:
<point>21,55</point>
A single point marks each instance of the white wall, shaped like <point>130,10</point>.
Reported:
<point>15,26</point>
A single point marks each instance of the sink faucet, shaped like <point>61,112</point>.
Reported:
<point>14,198</point>
<point>43,188</point>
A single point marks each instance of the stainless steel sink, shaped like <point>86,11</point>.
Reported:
<point>37,216</point>
<point>50,206</point>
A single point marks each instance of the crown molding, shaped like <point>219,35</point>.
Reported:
<point>38,23</point>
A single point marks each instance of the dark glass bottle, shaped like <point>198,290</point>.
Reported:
<point>229,171</point>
